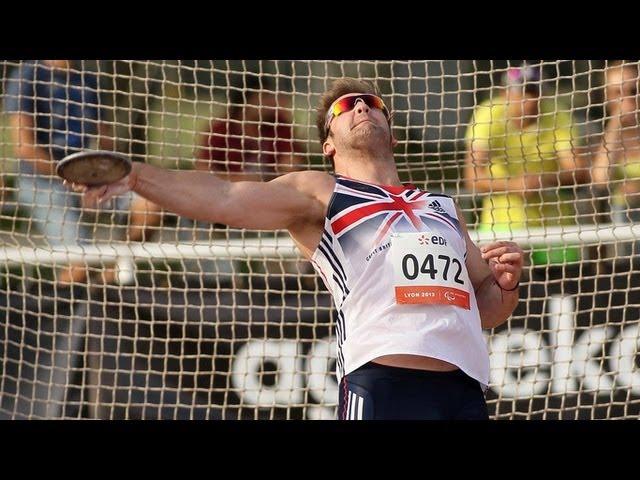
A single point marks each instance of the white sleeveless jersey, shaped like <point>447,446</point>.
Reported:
<point>355,259</point>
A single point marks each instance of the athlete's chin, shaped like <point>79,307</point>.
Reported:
<point>365,126</point>
<point>368,138</point>
<point>367,131</point>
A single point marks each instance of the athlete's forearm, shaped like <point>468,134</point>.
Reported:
<point>495,304</point>
<point>195,194</point>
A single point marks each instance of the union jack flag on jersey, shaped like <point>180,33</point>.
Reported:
<point>360,218</point>
<point>362,215</point>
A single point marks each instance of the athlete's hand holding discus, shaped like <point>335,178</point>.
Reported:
<point>97,194</point>
<point>505,260</point>
<point>99,174</point>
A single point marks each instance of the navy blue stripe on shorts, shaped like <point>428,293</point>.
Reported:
<point>379,392</point>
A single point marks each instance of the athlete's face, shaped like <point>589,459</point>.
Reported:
<point>359,123</point>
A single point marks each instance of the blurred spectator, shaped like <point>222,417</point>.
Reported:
<point>54,110</point>
<point>256,139</point>
<point>520,154</point>
<point>255,142</point>
<point>616,167</point>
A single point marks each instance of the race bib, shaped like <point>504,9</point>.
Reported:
<point>426,270</point>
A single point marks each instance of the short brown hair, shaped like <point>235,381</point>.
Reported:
<point>339,87</point>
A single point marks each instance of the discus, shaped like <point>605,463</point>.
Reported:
<point>94,168</point>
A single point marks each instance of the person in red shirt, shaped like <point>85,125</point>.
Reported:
<point>256,141</point>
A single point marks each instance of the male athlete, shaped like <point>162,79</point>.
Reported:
<point>411,289</point>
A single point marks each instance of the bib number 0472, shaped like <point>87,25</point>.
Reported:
<point>429,270</point>
<point>411,267</point>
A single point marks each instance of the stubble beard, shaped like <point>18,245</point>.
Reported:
<point>368,138</point>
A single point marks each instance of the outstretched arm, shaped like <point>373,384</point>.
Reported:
<point>282,203</point>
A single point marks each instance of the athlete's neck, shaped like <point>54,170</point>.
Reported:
<point>379,172</point>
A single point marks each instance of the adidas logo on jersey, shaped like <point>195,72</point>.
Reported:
<point>435,205</point>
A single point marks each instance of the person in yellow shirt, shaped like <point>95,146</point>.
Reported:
<point>520,153</point>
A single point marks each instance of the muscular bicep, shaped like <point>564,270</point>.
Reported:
<point>281,203</point>
<point>294,199</point>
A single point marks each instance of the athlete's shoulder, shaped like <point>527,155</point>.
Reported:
<point>309,180</point>
<point>313,189</point>
<point>313,186</point>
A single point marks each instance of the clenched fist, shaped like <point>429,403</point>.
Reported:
<point>505,260</point>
